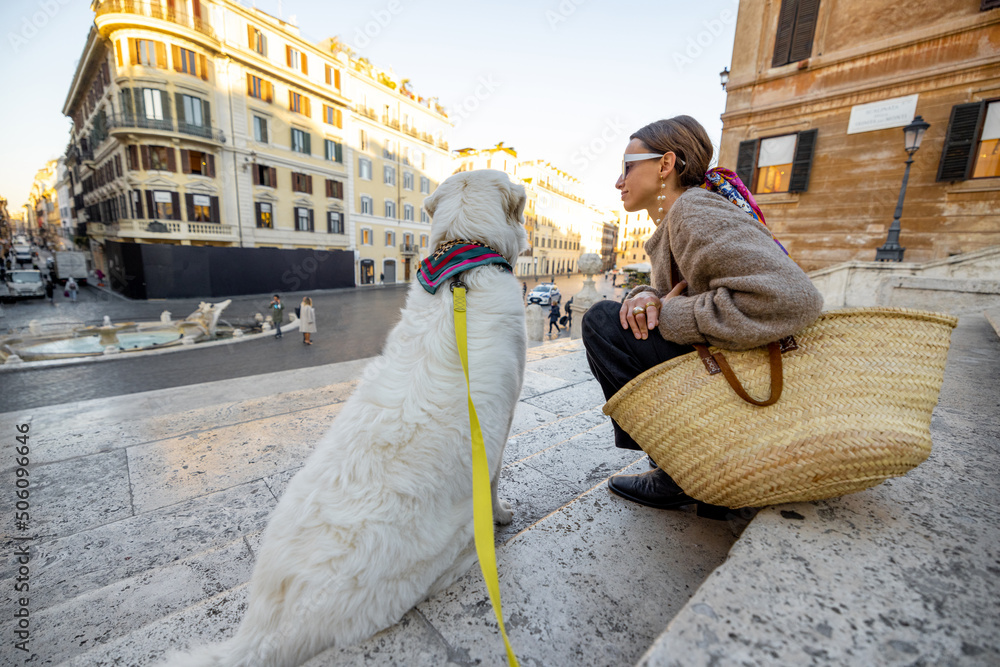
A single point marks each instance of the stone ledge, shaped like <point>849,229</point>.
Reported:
<point>993,317</point>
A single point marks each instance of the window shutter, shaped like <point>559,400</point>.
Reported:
<point>250,37</point>
<point>308,143</point>
<point>329,73</point>
<point>340,118</point>
<point>132,157</point>
<point>175,200</point>
<point>140,109</point>
<point>249,84</point>
<point>805,28</point>
<point>161,55</point>
<point>338,190</point>
<point>211,166</point>
<point>203,66</point>
<point>263,43</point>
<point>206,113</point>
<point>145,157</point>
<point>273,180</point>
<point>179,101</point>
<point>189,201</point>
<point>256,209</point>
<point>256,173</point>
<point>270,91</point>
<point>118,50</point>
<point>339,151</point>
<point>215,209</point>
<point>328,187</point>
<point>196,8</point>
<point>311,228</point>
<point>185,161</point>
<point>288,54</point>
<point>133,51</point>
<point>171,159</point>
<point>336,76</point>
<point>150,206</point>
<point>309,184</point>
<point>745,162</point>
<point>783,36</point>
<point>306,108</point>
<point>175,51</point>
<point>959,150</point>
<point>802,162</point>
<point>305,63</point>
<point>165,103</point>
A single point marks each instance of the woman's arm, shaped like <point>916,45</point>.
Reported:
<point>744,291</point>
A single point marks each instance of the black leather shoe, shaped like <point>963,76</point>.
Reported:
<point>652,489</point>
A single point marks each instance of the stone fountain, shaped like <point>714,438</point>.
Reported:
<point>107,332</point>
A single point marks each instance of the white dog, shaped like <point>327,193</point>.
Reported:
<point>380,517</point>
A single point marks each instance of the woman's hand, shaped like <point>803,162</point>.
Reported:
<point>642,312</point>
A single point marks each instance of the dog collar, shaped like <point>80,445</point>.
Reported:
<point>454,257</point>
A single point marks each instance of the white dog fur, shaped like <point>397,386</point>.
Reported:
<point>380,517</point>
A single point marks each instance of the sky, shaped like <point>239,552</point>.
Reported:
<point>566,81</point>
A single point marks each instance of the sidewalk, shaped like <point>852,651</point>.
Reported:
<point>147,511</point>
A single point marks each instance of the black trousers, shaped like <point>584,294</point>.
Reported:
<point>616,356</point>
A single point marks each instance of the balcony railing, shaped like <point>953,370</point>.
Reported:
<point>117,122</point>
<point>156,10</point>
<point>166,229</point>
<point>391,122</point>
<point>409,248</point>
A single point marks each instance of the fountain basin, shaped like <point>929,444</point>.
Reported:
<point>94,345</point>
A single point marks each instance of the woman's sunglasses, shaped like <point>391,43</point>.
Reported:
<point>637,157</point>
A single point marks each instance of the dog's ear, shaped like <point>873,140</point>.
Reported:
<point>514,199</point>
<point>430,204</point>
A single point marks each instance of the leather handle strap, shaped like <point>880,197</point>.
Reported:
<point>716,363</point>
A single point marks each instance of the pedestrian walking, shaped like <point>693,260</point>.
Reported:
<point>277,314</point>
<point>524,290</point>
<point>554,318</point>
<point>307,320</point>
<point>569,313</point>
<point>72,288</point>
<point>50,291</point>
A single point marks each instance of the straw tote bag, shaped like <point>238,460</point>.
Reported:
<point>850,405</point>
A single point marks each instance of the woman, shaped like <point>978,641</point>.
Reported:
<point>554,317</point>
<point>72,288</point>
<point>307,320</point>
<point>718,277</point>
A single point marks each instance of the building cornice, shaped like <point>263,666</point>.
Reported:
<point>93,43</point>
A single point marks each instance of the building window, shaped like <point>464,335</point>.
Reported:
<point>297,60</point>
<point>303,219</point>
<point>197,162</point>
<point>423,215</point>
<point>159,158</point>
<point>199,208</point>
<point>301,182</point>
<point>408,212</point>
<point>258,41</point>
<point>408,239</point>
<point>301,141</point>
<point>260,129</point>
<point>796,26</point>
<point>333,77</point>
<point>390,209</point>
<point>407,180</point>
<point>334,189</point>
<point>266,176</point>
<point>152,103</point>
<point>334,222</point>
<point>193,111</point>
<point>390,238</point>
<point>149,53</point>
<point>363,140</point>
<point>188,62</point>
<point>259,88</point>
<point>298,103</point>
<point>364,169</point>
<point>264,220</point>
<point>388,151</point>
<point>163,205</point>
<point>367,237</point>
<point>966,155</point>
<point>425,185</point>
<point>334,151</point>
<point>332,116</point>
<point>777,164</point>
<point>389,175</point>
<point>424,240</point>
<point>367,205</point>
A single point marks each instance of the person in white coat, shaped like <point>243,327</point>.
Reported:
<point>307,320</point>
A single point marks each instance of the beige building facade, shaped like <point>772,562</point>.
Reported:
<point>206,122</point>
<point>818,94</point>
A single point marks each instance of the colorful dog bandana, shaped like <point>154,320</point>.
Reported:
<point>726,183</point>
<point>454,257</point>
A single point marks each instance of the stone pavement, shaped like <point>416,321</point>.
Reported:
<point>147,511</point>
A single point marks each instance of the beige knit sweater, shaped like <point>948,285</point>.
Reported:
<point>743,291</point>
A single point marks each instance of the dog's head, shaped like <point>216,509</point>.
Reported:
<point>481,206</point>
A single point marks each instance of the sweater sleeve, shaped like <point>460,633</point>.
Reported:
<point>744,291</point>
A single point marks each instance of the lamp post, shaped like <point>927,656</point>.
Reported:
<point>913,134</point>
<point>724,77</point>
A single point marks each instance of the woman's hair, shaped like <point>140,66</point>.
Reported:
<point>684,137</point>
<point>306,300</point>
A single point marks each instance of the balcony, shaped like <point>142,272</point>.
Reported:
<point>171,230</point>
<point>155,10</point>
<point>366,111</point>
<point>391,122</point>
<point>409,249</point>
<point>131,123</point>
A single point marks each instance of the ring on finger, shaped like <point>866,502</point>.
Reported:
<point>639,310</point>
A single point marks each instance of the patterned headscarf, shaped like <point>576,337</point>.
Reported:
<point>726,183</point>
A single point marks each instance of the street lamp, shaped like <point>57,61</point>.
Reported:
<point>913,134</point>
<point>724,77</point>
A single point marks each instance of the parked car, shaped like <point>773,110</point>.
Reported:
<point>22,254</point>
<point>23,283</point>
<point>544,294</point>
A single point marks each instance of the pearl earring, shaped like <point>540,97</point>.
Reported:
<point>660,198</point>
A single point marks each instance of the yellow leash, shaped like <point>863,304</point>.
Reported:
<point>482,502</point>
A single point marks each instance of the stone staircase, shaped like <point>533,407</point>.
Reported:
<point>148,509</point>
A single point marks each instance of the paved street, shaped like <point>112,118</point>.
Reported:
<point>351,323</point>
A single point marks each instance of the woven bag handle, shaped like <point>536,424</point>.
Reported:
<point>716,362</point>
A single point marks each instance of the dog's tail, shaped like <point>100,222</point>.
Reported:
<point>240,651</point>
